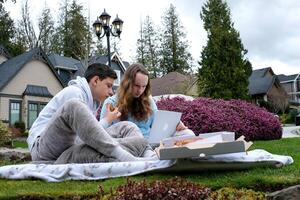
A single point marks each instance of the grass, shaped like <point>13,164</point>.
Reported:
<point>259,179</point>
<point>19,144</point>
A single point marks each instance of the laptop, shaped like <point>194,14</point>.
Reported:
<point>163,126</point>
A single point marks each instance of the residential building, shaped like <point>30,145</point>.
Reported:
<point>174,83</point>
<point>265,85</point>
<point>30,80</point>
<point>291,84</point>
<point>27,83</point>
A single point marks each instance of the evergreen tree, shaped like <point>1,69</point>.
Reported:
<point>73,36</point>
<point>8,34</point>
<point>100,49</point>
<point>148,48</point>
<point>174,47</point>
<point>6,27</point>
<point>224,71</point>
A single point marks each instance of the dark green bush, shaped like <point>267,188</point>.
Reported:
<point>20,125</point>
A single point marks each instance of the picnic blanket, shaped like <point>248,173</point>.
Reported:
<point>96,171</point>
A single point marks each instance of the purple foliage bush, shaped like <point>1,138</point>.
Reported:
<point>205,115</point>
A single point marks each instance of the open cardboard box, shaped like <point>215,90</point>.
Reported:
<point>202,145</point>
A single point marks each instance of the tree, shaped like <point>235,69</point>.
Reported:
<point>7,29</point>
<point>100,48</point>
<point>148,48</point>
<point>73,36</point>
<point>46,30</point>
<point>224,71</point>
<point>174,46</point>
<point>25,28</point>
<point>8,34</point>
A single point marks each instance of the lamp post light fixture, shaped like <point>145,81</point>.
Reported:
<point>115,29</point>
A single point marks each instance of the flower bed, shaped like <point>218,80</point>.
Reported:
<point>204,115</point>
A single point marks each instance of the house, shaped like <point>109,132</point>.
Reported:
<point>291,84</point>
<point>30,80</point>
<point>265,85</point>
<point>174,83</point>
<point>27,83</point>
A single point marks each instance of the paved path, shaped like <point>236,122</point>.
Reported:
<point>291,131</point>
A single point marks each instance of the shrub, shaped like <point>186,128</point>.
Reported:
<point>20,125</point>
<point>204,115</point>
<point>237,194</point>
<point>5,135</point>
<point>175,188</point>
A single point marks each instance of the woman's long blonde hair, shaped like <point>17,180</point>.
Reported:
<point>140,107</point>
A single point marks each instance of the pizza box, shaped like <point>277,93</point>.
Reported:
<point>201,146</point>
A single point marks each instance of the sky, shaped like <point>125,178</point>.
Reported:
<point>269,29</point>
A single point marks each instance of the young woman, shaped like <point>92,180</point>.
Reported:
<point>133,100</point>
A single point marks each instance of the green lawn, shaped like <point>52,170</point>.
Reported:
<point>258,179</point>
<point>19,144</point>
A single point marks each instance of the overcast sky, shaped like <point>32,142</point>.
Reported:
<point>269,29</point>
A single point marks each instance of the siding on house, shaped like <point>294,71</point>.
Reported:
<point>34,73</point>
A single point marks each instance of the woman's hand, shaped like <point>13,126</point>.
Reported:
<point>180,126</point>
<point>111,113</point>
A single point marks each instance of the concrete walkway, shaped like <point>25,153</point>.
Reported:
<point>290,131</point>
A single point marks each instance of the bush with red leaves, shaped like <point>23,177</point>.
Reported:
<point>205,115</point>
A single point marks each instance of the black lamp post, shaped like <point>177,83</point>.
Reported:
<point>115,29</point>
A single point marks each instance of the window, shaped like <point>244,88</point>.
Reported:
<point>14,111</point>
<point>34,108</point>
<point>118,80</point>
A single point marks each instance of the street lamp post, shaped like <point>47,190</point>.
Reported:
<point>115,29</point>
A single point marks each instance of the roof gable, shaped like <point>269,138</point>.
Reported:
<point>289,78</point>
<point>11,67</point>
<point>116,61</point>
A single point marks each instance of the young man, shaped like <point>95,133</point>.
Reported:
<point>69,117</point>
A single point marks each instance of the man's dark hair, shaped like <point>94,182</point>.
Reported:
<point>100,70</point>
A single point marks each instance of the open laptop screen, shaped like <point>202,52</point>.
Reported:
<point>164,125</point>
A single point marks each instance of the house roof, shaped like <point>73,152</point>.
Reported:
<point>116,61</point>
<point>169,84</point>
<point>4,51</point>
<point>288,78</point>
<point>259,83</point>
<point>11,67</point>
<point>40,91</point>
<point>63,62</point>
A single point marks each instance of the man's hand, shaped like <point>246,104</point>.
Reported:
<point>112,113</point>
<point>180,126</point>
